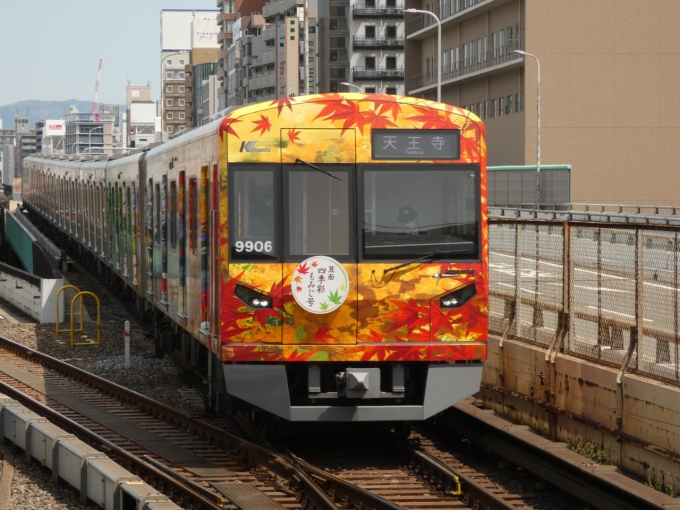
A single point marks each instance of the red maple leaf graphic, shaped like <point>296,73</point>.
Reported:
<point>374,119</point>
<point>225,126</point>
<point>322,335</point>
<point>332,103</point>
<point>351,115</point>
<point>281,103</point>
<point>441,319</point>
<point>432,119</point>
<point>373,336</point>
<point>469,144</point>
<point>315,263</point>
<point>261,315</point>
<point>385,104</point>
<point>302,268</point>
<point>263,125</point>
<point>293,135</point>
<point>298,289</point>
<point>300,356</point>
<point>411,314</point>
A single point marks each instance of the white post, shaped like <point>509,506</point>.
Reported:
<point>439,49</point>
<point>127,345</point>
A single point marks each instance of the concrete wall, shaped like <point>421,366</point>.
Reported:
<point>37,301</point>
<point>591,402</point>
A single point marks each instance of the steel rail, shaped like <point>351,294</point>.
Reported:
<point>453,481</point>
<point>272,461</point>
<point>558,472</point>
<point>187,494</point>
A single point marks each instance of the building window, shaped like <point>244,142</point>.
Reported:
<point>168,76</point>
<point>486,49</point>
<point>479,50</point>
<point>181,102</point>
<point>508,106</point>
<point>292,37</point>
<point>171,129</point>
<point>494,43</point>
<point>390,3</point>
<point>517,105</point>
<point>391,62</point>
<point>180,89</point>
<point>168,102</point>
<point>391,31</point>
<point>501,41</point>
<point>370,3</point>
<point>479,110</point>
<point>391,90</point>
<point>168,62</point>
<point>370,62</point>
<point>370,31</point>
<point>492,113</point>
<point>181,62</point>
<point>292,30</point>
<point>486,108</point>
<point>181,75</point>
<point>182,116</point>
<point>168,115</point>
<point>369,90</point>
<point>168,88</point>
<point>501,105</point>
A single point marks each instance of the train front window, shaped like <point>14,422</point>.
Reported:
<point>253,225</point>
<point>410,212</point>
<point>318,211</point>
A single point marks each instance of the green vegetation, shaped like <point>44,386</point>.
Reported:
<point>595,452</point>
<point>664,483</point>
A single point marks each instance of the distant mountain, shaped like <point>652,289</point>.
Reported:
<point>40,110</point>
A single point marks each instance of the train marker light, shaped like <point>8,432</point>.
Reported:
<point>252,298</point>
<point>458,297</point>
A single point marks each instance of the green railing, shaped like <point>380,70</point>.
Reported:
<point>20,240</point>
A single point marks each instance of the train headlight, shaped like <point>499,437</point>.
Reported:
<point>252,298</point>
<point>458,297</point>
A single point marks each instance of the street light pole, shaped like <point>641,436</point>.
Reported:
<point>89,135</point>
<point>439,49</point>
<point>538,126</point>
<point>348,84</point>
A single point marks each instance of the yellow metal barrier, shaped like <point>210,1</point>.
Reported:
<point>81,305</point>
<point>99,322</point>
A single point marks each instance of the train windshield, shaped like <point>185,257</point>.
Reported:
<point>410,211</point>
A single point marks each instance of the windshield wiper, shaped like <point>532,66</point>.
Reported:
<point>298,160</point>
<point>426,256</point>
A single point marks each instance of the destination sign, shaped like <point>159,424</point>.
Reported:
<point>415,143</point>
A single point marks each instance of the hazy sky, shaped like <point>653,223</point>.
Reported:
<point>50,50</point>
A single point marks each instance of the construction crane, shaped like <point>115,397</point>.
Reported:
<point>96,85</point>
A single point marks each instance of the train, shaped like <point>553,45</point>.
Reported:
<point>319,258</point>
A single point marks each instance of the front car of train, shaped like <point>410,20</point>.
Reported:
<point>353,256</point>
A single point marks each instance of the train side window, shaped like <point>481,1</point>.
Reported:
<point>253,207</point>
<point>318,211</point>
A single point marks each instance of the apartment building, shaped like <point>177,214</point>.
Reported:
<point>608,73</point>
<point>181,32</point>
<point>230,11</point>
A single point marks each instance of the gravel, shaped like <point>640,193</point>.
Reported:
<point>161,379</point>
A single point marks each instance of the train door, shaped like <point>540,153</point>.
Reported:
<point>319,220</point>
<point>182,245</point>
<point>214,230</point>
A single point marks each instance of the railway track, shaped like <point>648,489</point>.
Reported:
<point>201,466</point>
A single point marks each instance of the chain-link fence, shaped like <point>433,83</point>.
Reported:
<point>606,293</point>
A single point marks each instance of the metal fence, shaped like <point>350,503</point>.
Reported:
<point>607,293</point>
<point>515,186</point>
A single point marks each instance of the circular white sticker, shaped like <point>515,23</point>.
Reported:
<point>320,284</point>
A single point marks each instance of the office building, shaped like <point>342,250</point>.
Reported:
<point>608,74</point>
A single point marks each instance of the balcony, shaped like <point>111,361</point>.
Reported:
<point>493,61</point>
<point>377,73</point>
<point>372,11</point>
<point>393,43</point>
<point>279,7</point>
<point>449,13</point>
